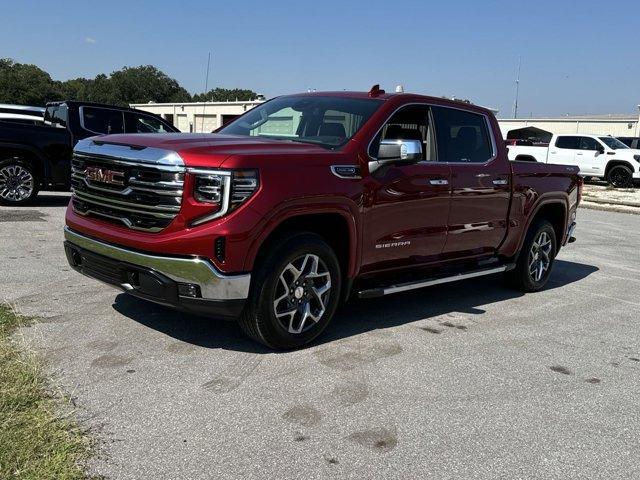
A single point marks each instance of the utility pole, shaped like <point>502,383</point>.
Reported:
<point>206,87</point>
<point>515,103</point>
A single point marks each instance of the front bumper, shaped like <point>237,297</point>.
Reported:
<point>187,283</point>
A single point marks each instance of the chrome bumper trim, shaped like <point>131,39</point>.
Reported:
<point>213,284</point>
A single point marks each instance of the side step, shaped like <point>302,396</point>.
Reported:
<point>403,287</point>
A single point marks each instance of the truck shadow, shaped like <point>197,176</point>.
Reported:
<point>51,200</point>
<point>352,319</point>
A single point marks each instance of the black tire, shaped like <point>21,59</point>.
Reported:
<point>259,321</point>
<point>620,176</point>
<point>16,172</point>
<point>522,277</point>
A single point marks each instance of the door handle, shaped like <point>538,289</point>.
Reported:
<point>579,153</point>
<point>439,181</point>
<point>482,175</point>
<point>500,181</point>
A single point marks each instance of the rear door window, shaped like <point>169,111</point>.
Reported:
<point>102,120</point>
<point>462,136</point>
<point>588,143</point>
<point>570,143</point>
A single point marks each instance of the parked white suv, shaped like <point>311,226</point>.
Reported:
<point>596,155</point>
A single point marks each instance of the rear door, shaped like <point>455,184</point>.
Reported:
<point>406,206</point>
<point>480,182</point>
<point>563,150</point>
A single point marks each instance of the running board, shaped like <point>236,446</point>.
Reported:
<point>403,287</point>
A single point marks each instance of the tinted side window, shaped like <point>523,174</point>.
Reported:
<point>145,124</point>
<point>102,120</point>
<point>567,142</point>
<point>587,143</point>
<point>462,136</point>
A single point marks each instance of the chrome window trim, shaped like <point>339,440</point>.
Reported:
<point>81,111</point>
<point>487,122</point>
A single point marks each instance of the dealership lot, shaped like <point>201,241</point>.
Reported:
<point>467,380</point>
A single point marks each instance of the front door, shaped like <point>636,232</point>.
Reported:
<point>480,183</point>
<point>406,206</point>
<point>588,156</point>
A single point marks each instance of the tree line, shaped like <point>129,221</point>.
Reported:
<point>25,84</point>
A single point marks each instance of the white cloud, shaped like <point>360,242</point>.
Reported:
<point>89,40</point>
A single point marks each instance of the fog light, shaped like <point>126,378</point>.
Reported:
<point>77,258</point>
<point>189,290</point>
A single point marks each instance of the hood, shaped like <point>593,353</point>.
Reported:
<point>210,150</point>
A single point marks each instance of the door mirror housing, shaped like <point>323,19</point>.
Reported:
<point>397,152</point>
<point>600,149</point>
<point>400,151</point>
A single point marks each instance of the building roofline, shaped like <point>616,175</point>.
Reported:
<point>195,104</point>
<point>573,119</point>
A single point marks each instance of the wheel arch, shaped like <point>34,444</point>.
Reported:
<point>336,227</point>
<point>555,210</point>
<point>614,163</point>
<point>26,153</point>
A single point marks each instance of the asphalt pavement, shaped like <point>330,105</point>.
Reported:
<point>460,381</point>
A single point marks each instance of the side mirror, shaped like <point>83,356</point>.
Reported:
<point>400,151</point>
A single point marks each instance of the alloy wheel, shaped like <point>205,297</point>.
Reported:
<point>540,256</point>
<point>302,293</point>
<point>16,183</point>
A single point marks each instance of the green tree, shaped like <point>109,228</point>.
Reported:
<point>144,84</point>
<point>25,84</point>
<point>225,95</point>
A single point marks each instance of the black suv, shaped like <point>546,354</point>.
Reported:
<point>38,157</point>
<point>631,142</point>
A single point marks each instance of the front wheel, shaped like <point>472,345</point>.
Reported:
<point>18,184</point>
<point>294,293</point>
<point>536,259</point>
<point>620,176</point>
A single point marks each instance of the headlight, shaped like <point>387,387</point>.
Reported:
<point>221,190</point>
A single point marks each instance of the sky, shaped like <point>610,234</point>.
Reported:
<point>578,57</point>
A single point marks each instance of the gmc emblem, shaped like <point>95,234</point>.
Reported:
<point>102,175</point>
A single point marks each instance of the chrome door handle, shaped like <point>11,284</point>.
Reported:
<point>500,181</point>
<point>439,182</point>
<point>482,175</point>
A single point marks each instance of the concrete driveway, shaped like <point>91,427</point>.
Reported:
<point>467,380</point>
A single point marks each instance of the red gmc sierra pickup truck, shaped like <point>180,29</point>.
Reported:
<point>309,199</point>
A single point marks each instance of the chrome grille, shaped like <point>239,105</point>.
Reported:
<point>142,196</point>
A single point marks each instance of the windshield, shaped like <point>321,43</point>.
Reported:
<point>56,116</point>
<point>326,121</point>
<point>613,143</point>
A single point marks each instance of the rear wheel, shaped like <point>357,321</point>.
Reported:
<point>18,183</point>
<point>620,176</point>
<point>536,259</point>
<point>294,293</point>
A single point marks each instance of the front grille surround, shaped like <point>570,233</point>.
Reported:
<point>148,199</point>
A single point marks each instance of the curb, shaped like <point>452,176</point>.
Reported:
<point>610,207</point>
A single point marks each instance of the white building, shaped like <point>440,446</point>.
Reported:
<point>616,125</point>
<point>198,116</point>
